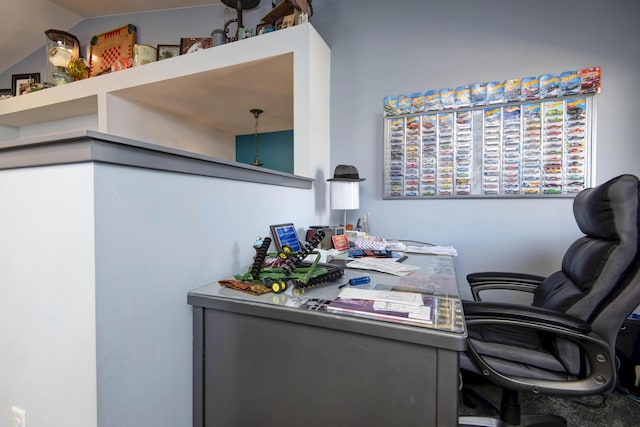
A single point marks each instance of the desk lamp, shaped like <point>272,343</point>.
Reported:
<point>345,189</point>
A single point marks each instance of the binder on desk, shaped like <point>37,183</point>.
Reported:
<point>401,307</point>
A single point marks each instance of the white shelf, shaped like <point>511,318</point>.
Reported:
<point>198,102</point>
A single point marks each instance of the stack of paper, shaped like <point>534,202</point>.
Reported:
<point>385,265</point>
<point>403,307</point>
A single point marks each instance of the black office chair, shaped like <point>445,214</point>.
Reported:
<point>564,343</point>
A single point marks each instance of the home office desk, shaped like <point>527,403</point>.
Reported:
<point>270,360</point>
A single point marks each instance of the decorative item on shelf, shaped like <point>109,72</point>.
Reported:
<point>109,47</point>
<point>78,69</point>
<point>5,93</point>
<point>120,64</point>
<point>144,54</point>
<point>287,13</point>
<point>264,29</point>
<point>194,44</point>
<point>245,33</point>
<point>166,51</point>
<point>25,83</point>
<point>239,6</point>
<point>256,113</point>
<point>345,189</point>
<point>219,35</point>
<point>63,54</point>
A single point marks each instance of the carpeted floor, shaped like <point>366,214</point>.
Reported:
<point>615,410</point>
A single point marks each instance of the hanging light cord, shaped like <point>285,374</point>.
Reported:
<point>256,160</point>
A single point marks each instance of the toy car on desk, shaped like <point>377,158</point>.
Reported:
<point>290,269</point>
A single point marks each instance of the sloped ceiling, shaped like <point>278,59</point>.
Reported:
<point>24,23</point>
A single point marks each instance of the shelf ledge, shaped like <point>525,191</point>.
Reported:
<point>89,146</point>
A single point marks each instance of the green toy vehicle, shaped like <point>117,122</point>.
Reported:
<point>290,269</point>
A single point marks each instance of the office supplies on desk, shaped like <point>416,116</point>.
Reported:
<point>403,307</point>
<point>356,281</point>
<point>385,265</point>
<point>357,253</point>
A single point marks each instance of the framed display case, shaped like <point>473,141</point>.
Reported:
<point>537,148</point>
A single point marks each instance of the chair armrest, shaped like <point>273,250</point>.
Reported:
<point>521,282</point>
<point>476,312</point>
<point>601,377</point>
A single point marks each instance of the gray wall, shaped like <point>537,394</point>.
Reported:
<point>382,47</point>
<point>157,236</point>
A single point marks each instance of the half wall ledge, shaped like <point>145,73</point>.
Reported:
<point>90,146</point>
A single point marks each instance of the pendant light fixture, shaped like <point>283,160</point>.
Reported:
<point>256,113</point>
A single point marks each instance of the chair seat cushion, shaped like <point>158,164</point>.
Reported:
<point>513,369</point>
<point>519,345</point>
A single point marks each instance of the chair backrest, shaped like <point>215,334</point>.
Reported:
<point>599,281</point>
<point>597,266</point>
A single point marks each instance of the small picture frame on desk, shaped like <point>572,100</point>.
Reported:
<point>285,235</point>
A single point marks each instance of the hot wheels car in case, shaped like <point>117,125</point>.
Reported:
<point>512,90</point>
<point>404,104</point>
<point>463,96</point>
<point>569,83</point>
<point>495,92</point>
<point>447,98</point>
<point>478,94</point>
<point>590,80</point>
<point>530,88</point>
<point>549,86</point>
<point>432,100</point>
<point>390,106</point>
<point>417,102</point>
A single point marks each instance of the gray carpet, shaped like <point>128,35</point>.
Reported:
<point>615,410</point>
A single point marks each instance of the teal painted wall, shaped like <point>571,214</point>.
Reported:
<point>275,150</point>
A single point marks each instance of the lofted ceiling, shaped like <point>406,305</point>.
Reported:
<point>21,32</point>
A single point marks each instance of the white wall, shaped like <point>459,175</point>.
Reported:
<point>47,307</point>
<point>392,47</point>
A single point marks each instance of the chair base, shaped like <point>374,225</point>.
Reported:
<point>534,420</point>
<point>507,416</point>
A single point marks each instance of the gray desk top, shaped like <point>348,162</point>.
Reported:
<point>436,277</point>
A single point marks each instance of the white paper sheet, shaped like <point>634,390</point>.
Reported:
<point>385,265</point>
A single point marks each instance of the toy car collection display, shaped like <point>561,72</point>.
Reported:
<point>521,137</point>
